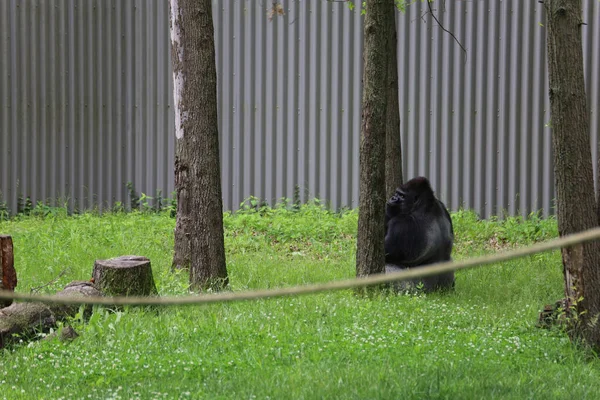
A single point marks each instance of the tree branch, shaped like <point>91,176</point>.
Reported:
<point>64,271</point>
<point>446,30</point>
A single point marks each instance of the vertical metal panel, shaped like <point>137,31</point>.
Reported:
<point>476,123</point>
<point>6,178</point>
<point>591,54</point>
<point>84,89</point>
<point>86,101</point>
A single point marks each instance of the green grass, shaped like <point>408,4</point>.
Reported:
<point>478,342</point>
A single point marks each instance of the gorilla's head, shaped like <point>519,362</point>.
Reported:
<point>410,196</point>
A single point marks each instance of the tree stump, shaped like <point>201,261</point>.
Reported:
<point>8,274</point>
<point>124,276</point>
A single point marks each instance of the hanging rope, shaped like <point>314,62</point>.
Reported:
<point>223,297</point>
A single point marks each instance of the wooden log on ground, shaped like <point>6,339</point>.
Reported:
<point>8,274</point>
<point>74,289</point>
<point>27,318</point>
<point>124,276</point>
<point>121,276</point>
<point>24,319</point>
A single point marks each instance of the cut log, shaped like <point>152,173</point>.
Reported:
<point>28,318</point>
<point>74,289</point>
<point>124,276</point>
<point>25,319</point>
<point>121,276</point>
<point>8,274</point>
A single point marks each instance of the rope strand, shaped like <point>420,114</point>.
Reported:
<point>434,269</point>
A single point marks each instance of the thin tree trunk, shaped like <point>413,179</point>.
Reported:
<point>393,148</point>
<point>576,206</point>
<point>199,242</point>
<point>370,254</point>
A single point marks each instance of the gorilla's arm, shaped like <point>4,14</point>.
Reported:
<point>403,241</point>
<point>387,221</point>
<point>446,214</point>
<point>422,238</point>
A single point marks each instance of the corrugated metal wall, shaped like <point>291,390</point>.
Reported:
<point>86,100</point>
<point>85,93</point>
<point>290,93</point>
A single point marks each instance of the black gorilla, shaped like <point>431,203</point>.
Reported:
<point>418,231</point>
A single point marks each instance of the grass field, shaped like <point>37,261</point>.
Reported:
<point>478,342</point>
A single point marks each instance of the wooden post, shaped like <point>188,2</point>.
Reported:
<point>8,274</point>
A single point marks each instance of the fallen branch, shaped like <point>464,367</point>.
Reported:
<point>60,275</point>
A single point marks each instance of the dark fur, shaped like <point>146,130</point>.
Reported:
<point>418,231</point>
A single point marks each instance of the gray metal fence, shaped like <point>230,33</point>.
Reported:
<point>86,101</point>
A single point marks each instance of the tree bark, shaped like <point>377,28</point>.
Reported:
<point>575,202</point>
<point>199,242</point>
<point>393,147</point>
<point>370,254</point>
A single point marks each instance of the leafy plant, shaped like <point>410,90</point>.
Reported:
<point>134,199</point>
<point>24,205</point>
<point>4,211</point>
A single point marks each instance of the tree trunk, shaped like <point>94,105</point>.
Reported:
<point>576,206</point>
<point>370,254</point>
<point>393,148</point>
<point>199,242</point>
